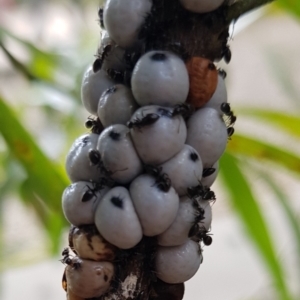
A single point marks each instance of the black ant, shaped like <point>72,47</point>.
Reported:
<point>196,227</point>
<point>89,194</point>
<point>100,15</point>
<point>226,54</point>
<point>184,109</point>
<point>208,171</point>
<point>149,119</point>
<point>97,186</point>
<point>94,124</point>
<point>222,73</point>
<point>199,217</point>
<point>95,159</point>
<point>162,180</point>
<point>71,261</point>
<point>120,76</point>
<point>124,76</point>
<point>201,191</point>
<point>97,65</point>
<point>203,236</point>
<point>226,109</point>
<point>230,131</point>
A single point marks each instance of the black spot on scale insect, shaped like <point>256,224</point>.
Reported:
<point>117,201</point>
<point>114,135</point>
<point>194,156</point>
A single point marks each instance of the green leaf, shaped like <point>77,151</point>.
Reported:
<point>287,122</point>
<point>47,179</point>
<point>262,151</point>
<point>291,6</point>
<point>17,64</point>
<point>42,65</point>
<point>53,221</point>
<point>290,213</point>
<point>249,211</point>
<point>282,73</point>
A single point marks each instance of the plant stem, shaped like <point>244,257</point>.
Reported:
<point>241,7</point>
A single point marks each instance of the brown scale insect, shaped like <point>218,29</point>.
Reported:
<point>203,76</point>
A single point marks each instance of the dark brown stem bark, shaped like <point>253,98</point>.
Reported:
<point>241,7</point>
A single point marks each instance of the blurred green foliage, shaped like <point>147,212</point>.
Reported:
<point>43,179</point>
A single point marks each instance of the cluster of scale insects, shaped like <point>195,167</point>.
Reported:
<point>162,181</point>
<point>200,194</point>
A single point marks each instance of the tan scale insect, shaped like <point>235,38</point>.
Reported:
<point>203,77</point>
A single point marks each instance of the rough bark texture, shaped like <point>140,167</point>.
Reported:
<point>171,27</point>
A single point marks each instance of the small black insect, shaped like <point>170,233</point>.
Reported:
<point>203,235</point>
<point>199,217</point>
<point>117,75</point>
<point>230,131</point>
<point>222,73</point>
<point>149,119</point>
<point>94,124</point>
<point>195,228</point>
<point>184,109</point>
<point>226,54</point>
<point>100,15</point>
<point>89,194</point>
<point>97,65</point>
<point>226,109</point>
<point>123,76</point>
<point>76,263</point>
<point>65,252</point>
<point>208,171</point>
<point>95,159</point>
<point>162,180</point>
<point>68,260</point>
<point>201,191</point>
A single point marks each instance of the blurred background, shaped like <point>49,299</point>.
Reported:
<point>45,46</point>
